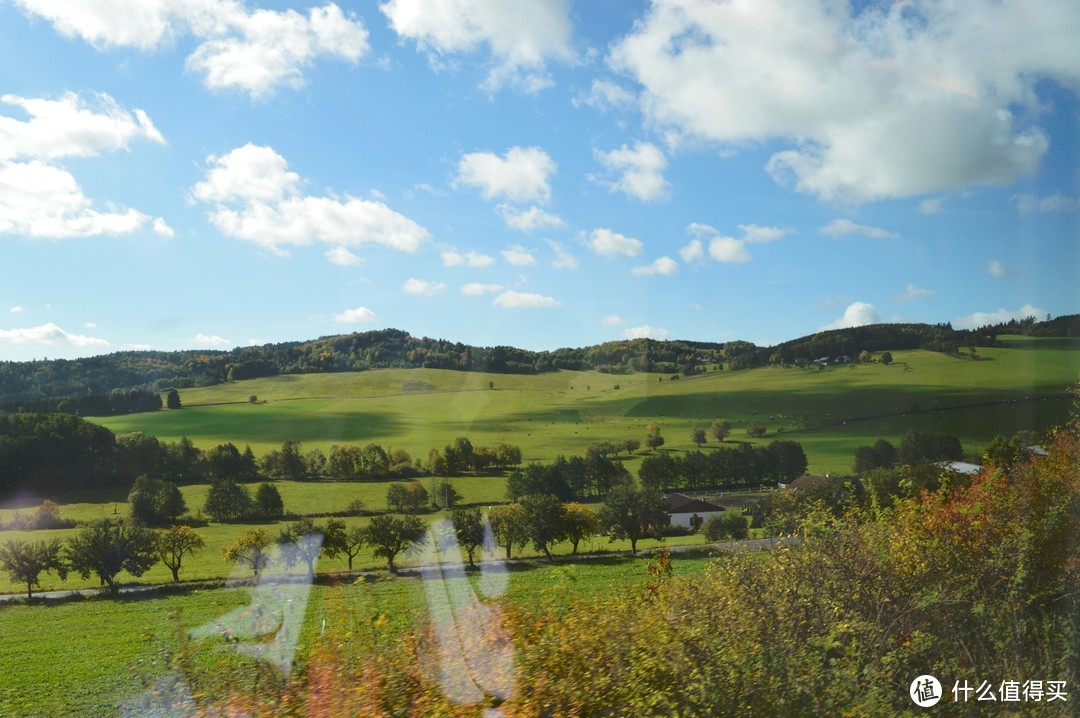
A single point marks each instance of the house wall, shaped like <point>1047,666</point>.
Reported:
<point>684,519</point>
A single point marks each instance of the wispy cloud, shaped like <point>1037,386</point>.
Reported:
<point>524,300</point>
<point>476,289</point>
<point>996,269</point>
<point>845,227</point>
<point>912,292</point>
<point>356,316</point>
<point>422,287</point>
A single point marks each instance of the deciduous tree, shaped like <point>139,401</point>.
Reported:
<point>173,544</point>
<point>545,521</point>
<point>25,561</point>
<point>105,549</point>
<point>251,548</point>
<point>508,526</point>
<point>581,524</point>
<point>633,514</point>
<point>390,536</point>
<point>469,530</point>
<point>720,429</point>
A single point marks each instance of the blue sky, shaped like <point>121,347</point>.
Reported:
<point>215,173</point>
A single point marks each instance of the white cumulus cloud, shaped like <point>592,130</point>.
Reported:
<point>518,256</point>
<point>524,300</point>
<point>646,332</point>
<point>612,320</point>
<point>211,340</point>
<point>608,243</point>
<point>478,289</point>
<point>639,171</point>
<point>253,50</point>
<point>725,249</point>
<point>453,258</point>
<point>522,174</point>
<point>49,335</point>
<point>356,316</point>
<point>71,126</point>
<point>40,199</point>
<point>521,38</point>
<point>665,266</point>
<point>422,287</point>
<point>873,101</point>
<point>979,319</point>
<point>257,199</point>
<point>857,314</point>
<point>529,219</point>
<point>342,257</point>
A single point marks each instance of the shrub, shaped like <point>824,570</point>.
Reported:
<point>728,525</point>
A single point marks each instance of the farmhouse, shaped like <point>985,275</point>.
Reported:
<point>959,467</point>
<point>683,510</point>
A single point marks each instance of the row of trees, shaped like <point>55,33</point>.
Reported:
<point>742,465</point>
<point>103,549</point>
<point>66,453</point>
<point>917,448</point>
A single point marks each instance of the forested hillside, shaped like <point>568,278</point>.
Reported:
<point>124,382</point>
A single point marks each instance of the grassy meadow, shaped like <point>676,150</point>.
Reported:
<point>93,657</point>
<point>830,412</point>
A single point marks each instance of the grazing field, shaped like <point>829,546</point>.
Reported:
<point>303,498</point>
<point>830,411</point>
<point>92,657</point>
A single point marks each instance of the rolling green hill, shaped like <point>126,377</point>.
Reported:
<point>831,411</point>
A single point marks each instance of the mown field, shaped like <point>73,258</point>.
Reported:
<point>830,412</point>
<point>97,657</point>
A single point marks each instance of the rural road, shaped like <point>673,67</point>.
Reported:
<point>748,545</point>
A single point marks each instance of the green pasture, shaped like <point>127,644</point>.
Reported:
<point>299,497</point>
<point>830,411</point>
<point>93,657</point>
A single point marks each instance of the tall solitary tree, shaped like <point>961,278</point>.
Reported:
<point>697,435</point>
<point>390,536</point>
<point>720,429</point>
<point>268,501</point>
<point>652,437</point>
<point>105,549</point>
<point>172,399</point>
<point>173,544</point>
<point>25,561</point>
